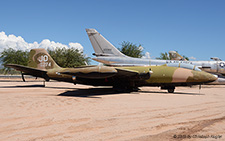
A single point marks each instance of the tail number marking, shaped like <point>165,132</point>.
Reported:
<point>44,61</point>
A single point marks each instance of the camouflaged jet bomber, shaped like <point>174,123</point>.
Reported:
<point>126,79</point>
<point>106,53</point>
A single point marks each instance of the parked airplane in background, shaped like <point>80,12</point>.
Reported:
<point>127,79</point>
<point>175,56</point>
<point>221,78</point>
<point>106,53</point>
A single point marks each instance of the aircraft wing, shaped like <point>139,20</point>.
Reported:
<point>142,75</point>
<point>100,72</point>
<point>29,70</point>
<point>85,66</point>
<point>126,72</point>
<point>92,72</point>
<point>126,65</point>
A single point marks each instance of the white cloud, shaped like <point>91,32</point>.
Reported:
<point>76,45</point>
<point>18,43</point>
<point>147,55</point>
<point>193,58</point>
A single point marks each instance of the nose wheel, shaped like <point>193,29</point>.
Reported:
<point>170,90</point>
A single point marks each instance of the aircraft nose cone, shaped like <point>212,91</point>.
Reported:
<point>204,77</point>
<point>211,77</point>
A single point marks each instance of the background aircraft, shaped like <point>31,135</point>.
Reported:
<point>127,79</point>
<point>106,53</point>
<point>173,55</point>
<point>221,78</point>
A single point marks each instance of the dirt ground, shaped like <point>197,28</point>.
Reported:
<point>63,111</point>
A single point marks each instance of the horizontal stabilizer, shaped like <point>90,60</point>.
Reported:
<point>215,59</point>
<point>29,71</point>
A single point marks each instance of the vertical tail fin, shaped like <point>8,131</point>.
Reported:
<point>40,59</point>
<point>102,46</point>
<point>175,56</point>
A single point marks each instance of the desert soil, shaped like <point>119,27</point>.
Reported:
<point>63,111</point>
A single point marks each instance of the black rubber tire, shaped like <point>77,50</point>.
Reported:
<point>170,90</point>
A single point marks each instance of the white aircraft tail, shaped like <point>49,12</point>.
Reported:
<point>102,46</point>
<point>175,56</point>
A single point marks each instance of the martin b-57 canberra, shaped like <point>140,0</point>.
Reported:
<point>126,79</point>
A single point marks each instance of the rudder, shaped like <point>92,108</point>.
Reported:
<point>102,46</point>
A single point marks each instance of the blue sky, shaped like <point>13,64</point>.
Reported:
<point>191,27</point>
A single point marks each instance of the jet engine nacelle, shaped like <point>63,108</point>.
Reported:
<point>144,76</point>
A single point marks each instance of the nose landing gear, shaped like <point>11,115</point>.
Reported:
<point>169,88</point>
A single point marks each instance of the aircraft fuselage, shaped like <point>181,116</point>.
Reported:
<point>216,67</point>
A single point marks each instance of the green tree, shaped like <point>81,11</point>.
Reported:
<point>12,56</point>
<point>131,49</point>
<point>63,57</point>
<point>68,57</point>
<point>185,57</point>
<point>163,56</point>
